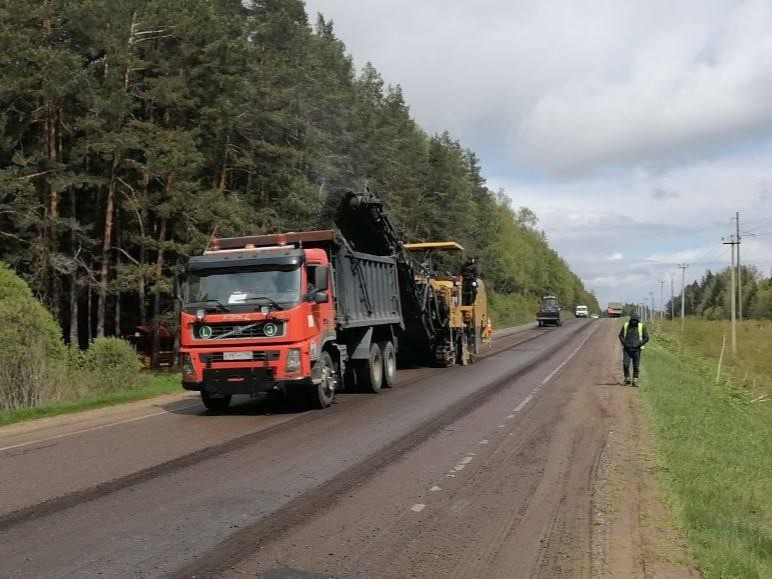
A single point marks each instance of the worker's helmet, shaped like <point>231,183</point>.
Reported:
<point>635,317</point>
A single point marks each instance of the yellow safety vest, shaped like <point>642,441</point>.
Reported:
<point>640,330</point>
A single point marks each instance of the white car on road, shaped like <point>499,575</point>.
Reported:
<point>582,312</point>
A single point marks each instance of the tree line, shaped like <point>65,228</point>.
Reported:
<point>132,131</point>
<point>710,297</point>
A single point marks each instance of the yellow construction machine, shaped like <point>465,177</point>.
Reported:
<point>461,323</point>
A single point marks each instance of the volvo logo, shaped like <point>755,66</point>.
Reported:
<point>205,332</point>
<point>270,329</point>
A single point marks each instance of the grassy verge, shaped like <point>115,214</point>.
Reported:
<point>715,450</point>
<point>750,368</point>
<point>511,309</point>
<point>154,385</point>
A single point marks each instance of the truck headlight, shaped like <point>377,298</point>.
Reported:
<point>187,365</point>
<point>293,360</point>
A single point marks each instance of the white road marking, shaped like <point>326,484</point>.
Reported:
<point>459,467</point>
<point>98,427</point>
<point>466,460</point>
<point>501,426</point>
<point>527,399</point>
<point>484,441</point>
<point>552,374</point>
<point>510,415</point>
<point>417,508</point>
<point>435,488</point>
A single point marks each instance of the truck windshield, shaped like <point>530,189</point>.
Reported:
<point>271,285</point>
<point>549,304</point>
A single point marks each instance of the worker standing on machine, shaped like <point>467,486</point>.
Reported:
<point>470,272</point>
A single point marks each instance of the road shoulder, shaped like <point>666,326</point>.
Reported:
<point>634,534</point>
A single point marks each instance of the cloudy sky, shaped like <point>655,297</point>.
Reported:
<point>633,129</point>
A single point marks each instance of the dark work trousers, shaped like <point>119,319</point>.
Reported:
<point>635,357</point>
<point>469,292</point>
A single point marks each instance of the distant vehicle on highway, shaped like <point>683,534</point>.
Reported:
<point>582,312</point>
<point>549,312</point>
<point>594,316</point>
<point>615,309</point>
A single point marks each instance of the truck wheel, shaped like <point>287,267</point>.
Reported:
<point>370,373</point>
<point>321,394</point>
<point>215,404</point>
<point>389,364</point>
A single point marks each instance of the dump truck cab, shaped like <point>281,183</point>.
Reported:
<point>256,313</point>
<point>302,314</point>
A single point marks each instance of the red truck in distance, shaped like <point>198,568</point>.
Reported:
<point>615,309</point>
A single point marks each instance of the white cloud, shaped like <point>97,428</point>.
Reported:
<point>571,86</point>
<point>647,124</point>
<point>705,87</point>
<point>616,256</point>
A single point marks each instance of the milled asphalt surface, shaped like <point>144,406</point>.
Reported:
<point>163,487</point>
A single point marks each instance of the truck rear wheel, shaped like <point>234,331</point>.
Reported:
<point>321,395</point>
<point>215,404</point>
<point>389,364</point>
<point>370,373</point>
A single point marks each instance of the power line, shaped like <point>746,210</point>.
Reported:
<point>761,225</point>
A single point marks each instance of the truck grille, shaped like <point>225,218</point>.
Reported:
<point>241,331</point>
<point>216,357</point>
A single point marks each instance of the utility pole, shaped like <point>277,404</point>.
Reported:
<point>653,315</point>
<point>732,243</point>
<point>672,300</point>
<point>661,299</point>
<point>739,272</point>
<point>683,267</point>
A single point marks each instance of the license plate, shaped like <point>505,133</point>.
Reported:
<point>231,356</point>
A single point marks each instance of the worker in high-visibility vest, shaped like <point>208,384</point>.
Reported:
<point>633,337</point>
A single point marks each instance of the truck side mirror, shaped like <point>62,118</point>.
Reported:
<point>321,297</point>
<point>321,273</point>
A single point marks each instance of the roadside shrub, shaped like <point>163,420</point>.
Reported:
<point>112,364</point>
<point>11,285</point>
<point>32,354</point>
<point>511,309</point>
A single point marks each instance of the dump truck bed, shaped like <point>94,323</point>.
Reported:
<point>367,289</point>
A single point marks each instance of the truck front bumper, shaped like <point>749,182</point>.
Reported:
<point>252,381</point>
<point>205,370</point>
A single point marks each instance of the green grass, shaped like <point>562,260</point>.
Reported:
<point>715,452</point>
<point>508,310</point>
<point>154,385</point>
<point>750,368</point>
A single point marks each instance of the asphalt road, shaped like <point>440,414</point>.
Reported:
<point>471,471</point>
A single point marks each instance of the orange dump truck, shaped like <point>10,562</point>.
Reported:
<point>298,313</point>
